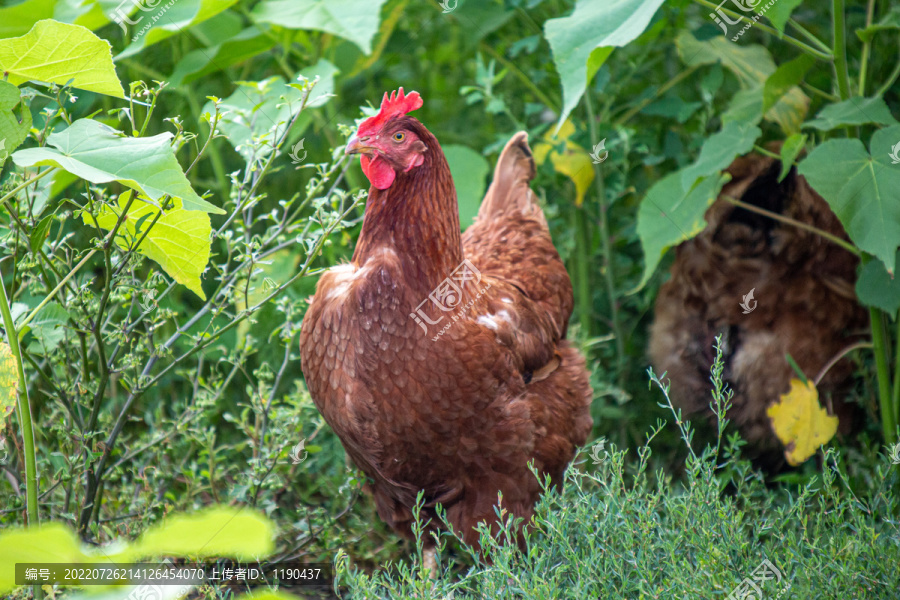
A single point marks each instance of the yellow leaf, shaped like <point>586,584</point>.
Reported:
<point>574,162</point>
<point>9,381</point>
<point>800,422</point>
<point>179,241</point>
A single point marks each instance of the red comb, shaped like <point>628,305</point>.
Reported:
<point>397,104</point>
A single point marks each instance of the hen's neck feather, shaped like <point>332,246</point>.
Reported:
<point>417,217</point>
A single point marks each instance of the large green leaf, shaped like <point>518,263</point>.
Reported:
<point>179,241</point>
<point>876,287</point>
<point>265,108</point>
<point>672,213</point>
<point>591,32</point>
<point>785,77</point>
<point>14,124</point>
<point>165,21</point>
<point>101,154</point>
<point>54,52</point>
<point>353,20</point>
<point>719,150</point>
<point>855,111</point>
<point>19,19</point>
<point>213,532</point>
<point>862,188</point>
<point>469,170</point>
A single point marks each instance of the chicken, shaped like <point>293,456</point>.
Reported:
<point>440,360</point>
<point>797,291</point>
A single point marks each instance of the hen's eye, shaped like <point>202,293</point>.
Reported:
<point>399,136</point>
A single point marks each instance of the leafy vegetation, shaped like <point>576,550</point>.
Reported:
<point>173,179</point>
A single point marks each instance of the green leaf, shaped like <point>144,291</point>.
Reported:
<point>670,214</point>
<point>51,542</point>
<point>861,187</point>
<point>14,125</point>
<point>9,383</point>
<point>60,53</point>
<point>470,170</point>
<point>752,65</point>
<point>213,532</point>
<point>593,25</point>
<point>353,20</point>
<point>101,154</point>
<point>876,287</point>
<point>179,241</point>
<point>855,111</point>
<point>40,233</point>
<point>888,22</point>
<point>47,327</point>
<point>780,12</point>
<point>672,107</point>
<point>790,149</point>
<point>265,108</point>
<point>165,21</point>
<point>719,151</point>
<point>785,77</point>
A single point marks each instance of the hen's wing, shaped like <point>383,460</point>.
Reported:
<point>531,297</point>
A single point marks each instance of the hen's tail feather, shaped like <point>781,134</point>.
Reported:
<point>512,176</point>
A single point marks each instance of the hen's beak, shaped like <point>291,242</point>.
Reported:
<point>357,145</point>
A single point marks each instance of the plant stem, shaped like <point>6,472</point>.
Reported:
<point>896,400</point>
<point>23,408</point>
<point>606,240</point>
<point>867,46</point>
<point>840,49</point>
<point>809,36</point>
<point>890,80</point>
<point>787,220</point>
<point>888,419</point>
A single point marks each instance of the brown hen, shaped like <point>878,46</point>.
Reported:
<point>439,375</point>
<point>803,304</point>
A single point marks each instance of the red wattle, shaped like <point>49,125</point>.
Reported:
<point>379,173</point>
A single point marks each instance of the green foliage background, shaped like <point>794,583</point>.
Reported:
<point>163,375</point>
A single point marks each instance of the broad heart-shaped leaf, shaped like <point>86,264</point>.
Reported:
<point>573,162</point>
<point>719,151</point>
<point>670,213</point>
<point>12,129</point>
<point>354,20</point>
<point>60,53</point>
<point>9,382</point>
<point>469,170</point>
<point>800,422</point>
<point>862,188</point>
<point>179,241</point>
<point>47,328</point>
<point>594,25</point>
<point>213,532</point>
<point>48,543</point>
<point>266,108</point>
<point>855,111</point>
<point>101,154</point>
<point>875,287</point>
<point>165,21</point>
